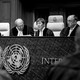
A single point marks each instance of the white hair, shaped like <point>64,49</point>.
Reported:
<point>19,21</point>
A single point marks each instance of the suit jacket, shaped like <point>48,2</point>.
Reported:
<point>26,31</point>
<point>65,31</point>
<point>46,32</point>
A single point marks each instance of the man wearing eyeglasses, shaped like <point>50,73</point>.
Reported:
<point>72,27</point>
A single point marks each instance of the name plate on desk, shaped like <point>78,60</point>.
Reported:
<point>28,58</point>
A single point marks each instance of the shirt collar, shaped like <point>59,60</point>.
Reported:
<point>18,29</point>
<point>73,27</point>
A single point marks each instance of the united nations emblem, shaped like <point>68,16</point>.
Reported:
<point>16,59</point>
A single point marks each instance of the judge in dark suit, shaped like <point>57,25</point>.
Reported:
<point>20,29</point>
<point>42,30</point>
<point>72,27</point>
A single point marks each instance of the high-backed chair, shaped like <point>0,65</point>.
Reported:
<point>56,24</point>
<point>5,29</point>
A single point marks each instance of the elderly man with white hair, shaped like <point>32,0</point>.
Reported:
<point>20,29</point>
<point>72,27</point>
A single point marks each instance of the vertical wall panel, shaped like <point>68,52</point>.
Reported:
<point>5,13</point>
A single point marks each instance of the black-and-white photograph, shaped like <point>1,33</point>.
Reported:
<point>39,40</point>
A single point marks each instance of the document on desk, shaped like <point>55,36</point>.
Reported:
<point>27,35</point>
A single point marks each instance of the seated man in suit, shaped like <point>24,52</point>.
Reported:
<point>20,29</point>
<point>69,68</point>
<point>42,30</point>
<point>72,27</point>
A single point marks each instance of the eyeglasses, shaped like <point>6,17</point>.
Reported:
<point>70,20</point>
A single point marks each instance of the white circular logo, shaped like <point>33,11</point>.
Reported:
<point>16,59</point>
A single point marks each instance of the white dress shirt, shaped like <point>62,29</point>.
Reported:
<point>20,33</point>
<point>41,32</point>
<point>71,29</point>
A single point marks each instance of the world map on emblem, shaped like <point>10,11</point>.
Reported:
<point>16,59</point>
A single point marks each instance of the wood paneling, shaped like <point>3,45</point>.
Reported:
<point>5,12</point>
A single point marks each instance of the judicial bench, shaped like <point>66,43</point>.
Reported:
<point>28,58</point>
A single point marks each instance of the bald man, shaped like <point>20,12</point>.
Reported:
<point>20,29</point>
<point>72,27</point>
